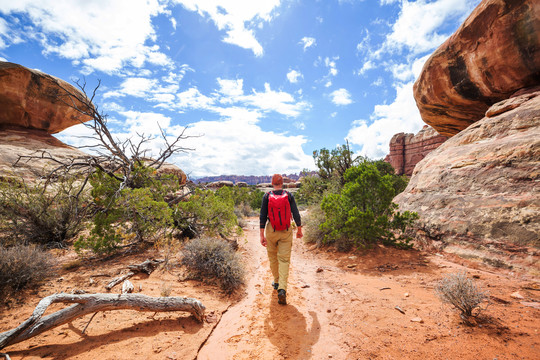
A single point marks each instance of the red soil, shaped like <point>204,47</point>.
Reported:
<point>340,306</point>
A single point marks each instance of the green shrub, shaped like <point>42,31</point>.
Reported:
<point>213,261</point>
<point>128,214</point>
<point>45,213</point>
<point>207,212</point>
<point>461,292</point>
<point>22,266</point>
<point>363,212</point>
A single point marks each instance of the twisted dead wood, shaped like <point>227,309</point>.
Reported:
<point>89,303</point>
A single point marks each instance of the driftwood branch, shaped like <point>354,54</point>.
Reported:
<point>147,267</point>
<point>91,303</point>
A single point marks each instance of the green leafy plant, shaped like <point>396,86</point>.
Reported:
<point>207,212</point>
<point>128,215</point>
<point>213,261</point>
<point>363,212</point>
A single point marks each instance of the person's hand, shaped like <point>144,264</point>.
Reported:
<point>263,238</point>
<point>299,233</point>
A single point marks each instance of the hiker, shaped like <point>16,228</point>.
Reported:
<point>276,234</point>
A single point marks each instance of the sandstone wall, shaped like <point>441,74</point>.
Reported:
<point>406,150</point>
<point>494,53</point>
<point>32,99</point>
<point>481,188</point>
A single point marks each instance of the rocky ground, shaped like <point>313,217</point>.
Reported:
<point>341,306</point>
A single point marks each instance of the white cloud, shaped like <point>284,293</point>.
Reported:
<point>418,22</point>
<point>308,42</point>
<point>378,82</point>
<point>231,89</point>
<point>368,65</point>
<point>238,146</point>
<point>341,97</point>
<point>104,41</point>
<point>293,76</point>
<point>233,16</point>
<point>374,136</point>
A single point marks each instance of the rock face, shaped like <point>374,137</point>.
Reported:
<point>494,53</point>
<point>482,186</point>
<point>406,150</point>
<point>25,142</point>
<point>30,99</point>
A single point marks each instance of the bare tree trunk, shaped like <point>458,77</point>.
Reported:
<point>89,303</point>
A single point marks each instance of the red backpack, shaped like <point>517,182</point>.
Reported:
<point>279,211</point>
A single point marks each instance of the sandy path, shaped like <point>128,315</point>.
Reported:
<point>258,327</point>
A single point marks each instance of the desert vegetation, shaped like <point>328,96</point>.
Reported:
<point>351,204</point>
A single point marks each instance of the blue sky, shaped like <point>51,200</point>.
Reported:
<point>259,84</point>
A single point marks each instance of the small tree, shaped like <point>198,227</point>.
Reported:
<point>363,212</point>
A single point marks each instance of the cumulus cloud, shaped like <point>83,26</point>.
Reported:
<point>308,42</point>
<point>104,41</point>
<point>250,150</point>
<point>341,97</point>
<point>233,16</point>
<point>373,136</point>
<point>293,76</point>
<point>419,22</point>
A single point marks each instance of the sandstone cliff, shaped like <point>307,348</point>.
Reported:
<point>494,53</point>
<point>481,188</point>
<point>478,194</point>
<point>406,150</point>
<point>32,99</point>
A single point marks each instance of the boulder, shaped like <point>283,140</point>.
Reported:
<point>32,99</point>
<point>242,184</point>
<point>406,150</point>
<point>494,53</point>
<point>170,169</point>
<point>481,188</point>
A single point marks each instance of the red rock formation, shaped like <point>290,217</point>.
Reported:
<point>481,188</point>
<point>494,53</point>
<point>30,99</point>
<point>406,150</point>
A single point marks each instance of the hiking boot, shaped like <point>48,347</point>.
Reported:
<point>275,285</point>
<point>282,297</point>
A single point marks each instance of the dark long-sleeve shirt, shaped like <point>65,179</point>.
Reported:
<point>294,209</point>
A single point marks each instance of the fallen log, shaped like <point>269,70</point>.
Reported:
<point>89,303</point>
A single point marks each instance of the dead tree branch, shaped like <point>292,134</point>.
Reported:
<point>90,303</point>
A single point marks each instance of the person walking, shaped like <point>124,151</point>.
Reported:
<point>276,233</point>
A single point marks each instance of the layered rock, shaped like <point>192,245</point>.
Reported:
<point>482,186</point>
<point>32,99</point>
<point>16,142</point>
<point>406,150</point>
<point>494,53</point>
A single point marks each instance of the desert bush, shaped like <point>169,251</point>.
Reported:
<point>22,266</point>
<point>213,261</point>
<point>44,213</point>
<point>461,292</point>
<point>128,215</point>
<point>207,212</point>
<point>363,212</point>
<point>312,225</point>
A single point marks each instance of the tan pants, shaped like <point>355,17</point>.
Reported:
<point>279,245</point>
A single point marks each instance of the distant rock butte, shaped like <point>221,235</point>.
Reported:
<point>30,99</point>
<point>494,53</point>
<point>406,150</point>
<point>482,186</point>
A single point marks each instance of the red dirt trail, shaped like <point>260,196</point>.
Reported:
<point>340,306</point>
